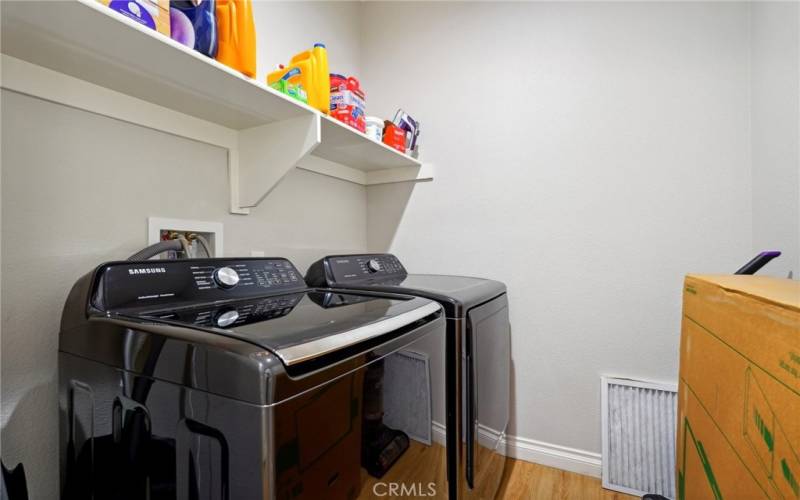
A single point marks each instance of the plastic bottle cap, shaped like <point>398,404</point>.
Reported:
<point>319,45</point>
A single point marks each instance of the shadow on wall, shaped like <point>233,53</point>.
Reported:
<point>13,485</point>
<point>18,453</point>
<point>386,204</point>
<point>511,430</point>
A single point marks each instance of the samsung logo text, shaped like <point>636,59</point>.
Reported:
<point>148,270</point>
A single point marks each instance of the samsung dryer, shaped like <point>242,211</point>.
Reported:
<point>477,359</point>
<point>227,379</point>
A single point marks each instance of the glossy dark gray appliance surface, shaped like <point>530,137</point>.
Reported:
<point>385,272</point>
<point>173,386</point>
<point>478,380</point>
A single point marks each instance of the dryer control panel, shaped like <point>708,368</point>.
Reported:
<point>339,270</point>
<point>161,282</point>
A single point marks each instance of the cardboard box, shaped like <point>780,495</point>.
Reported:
<point>151,13</point>
<point>739,395</point>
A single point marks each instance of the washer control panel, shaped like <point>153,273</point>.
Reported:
<point>226,277</point>
<point>142,284</point>
<point>343,269</point>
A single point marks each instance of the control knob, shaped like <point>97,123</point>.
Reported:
<point>227,318</point>
<point>373,265</point>
<point>225,277</point>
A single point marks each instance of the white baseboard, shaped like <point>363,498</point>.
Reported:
<point>552,455</point>
<point>530,450</point>
<point>438,433</point>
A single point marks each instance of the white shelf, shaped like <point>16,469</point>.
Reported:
<point>94,43</point>
<point>90,42</point>
<point>344,145</point>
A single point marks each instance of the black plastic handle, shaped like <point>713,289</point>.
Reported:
<point>758,262</point>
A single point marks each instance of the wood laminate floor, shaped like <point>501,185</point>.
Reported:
<point>422,464</point>
<point>525,480</point>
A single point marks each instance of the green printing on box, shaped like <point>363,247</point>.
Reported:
<point>770,440</point>
<point>703,457</point>
<point>759,430</point>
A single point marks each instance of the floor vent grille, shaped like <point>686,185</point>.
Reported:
<point>639,420</point>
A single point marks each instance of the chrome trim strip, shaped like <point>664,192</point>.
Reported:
<point>319,347</point>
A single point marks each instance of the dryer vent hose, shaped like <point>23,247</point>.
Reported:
<point>157,248</point>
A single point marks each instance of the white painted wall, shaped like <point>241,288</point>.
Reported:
<point>589,155</point>
<point>74,196</point>
<point>286,28</point>
<point>775,74</point>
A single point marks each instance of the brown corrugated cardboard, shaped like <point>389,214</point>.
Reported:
<point>739,393</point>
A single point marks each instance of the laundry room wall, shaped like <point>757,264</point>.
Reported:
<point>776,133</point>
<point>74,196</point>
<point>589,155</point>
<point>286,28</point>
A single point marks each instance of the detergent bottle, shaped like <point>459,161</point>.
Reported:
<point>323,81</point>
<point>289,81</point>
<point>298,75</point>
<point>194,24</point>
<point>319,93</point>
<point>236,35</point>
<point>306,59</point>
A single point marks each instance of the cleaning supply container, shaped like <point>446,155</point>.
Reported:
<point>195,25</point>
<point>394,136</point>
<point>151,13</point>
<point>322,78</point>
<point>347,101</point>
<point>374,128</point>
<point>290,83</point>
<point>237,35</point>
<point>308,69</point>
<point>307,64</point>
<point>296,80</point>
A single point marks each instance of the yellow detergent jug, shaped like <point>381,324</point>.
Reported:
<point>298,73</point>
<point>323,79</point>
<point>236,35</point>
<point>306,59</point>
<point>319,96</point>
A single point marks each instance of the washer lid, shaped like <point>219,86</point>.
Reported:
<point>462,288</point>
<point>299,327</point>
<point>457,294</point>
<point>385,273</point>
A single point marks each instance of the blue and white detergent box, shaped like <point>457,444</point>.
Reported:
<point>151,13</point>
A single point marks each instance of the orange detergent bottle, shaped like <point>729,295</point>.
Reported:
<point>237,35</point>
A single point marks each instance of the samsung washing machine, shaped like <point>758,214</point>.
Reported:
<point>230,379</point>
<point>477,359</point>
